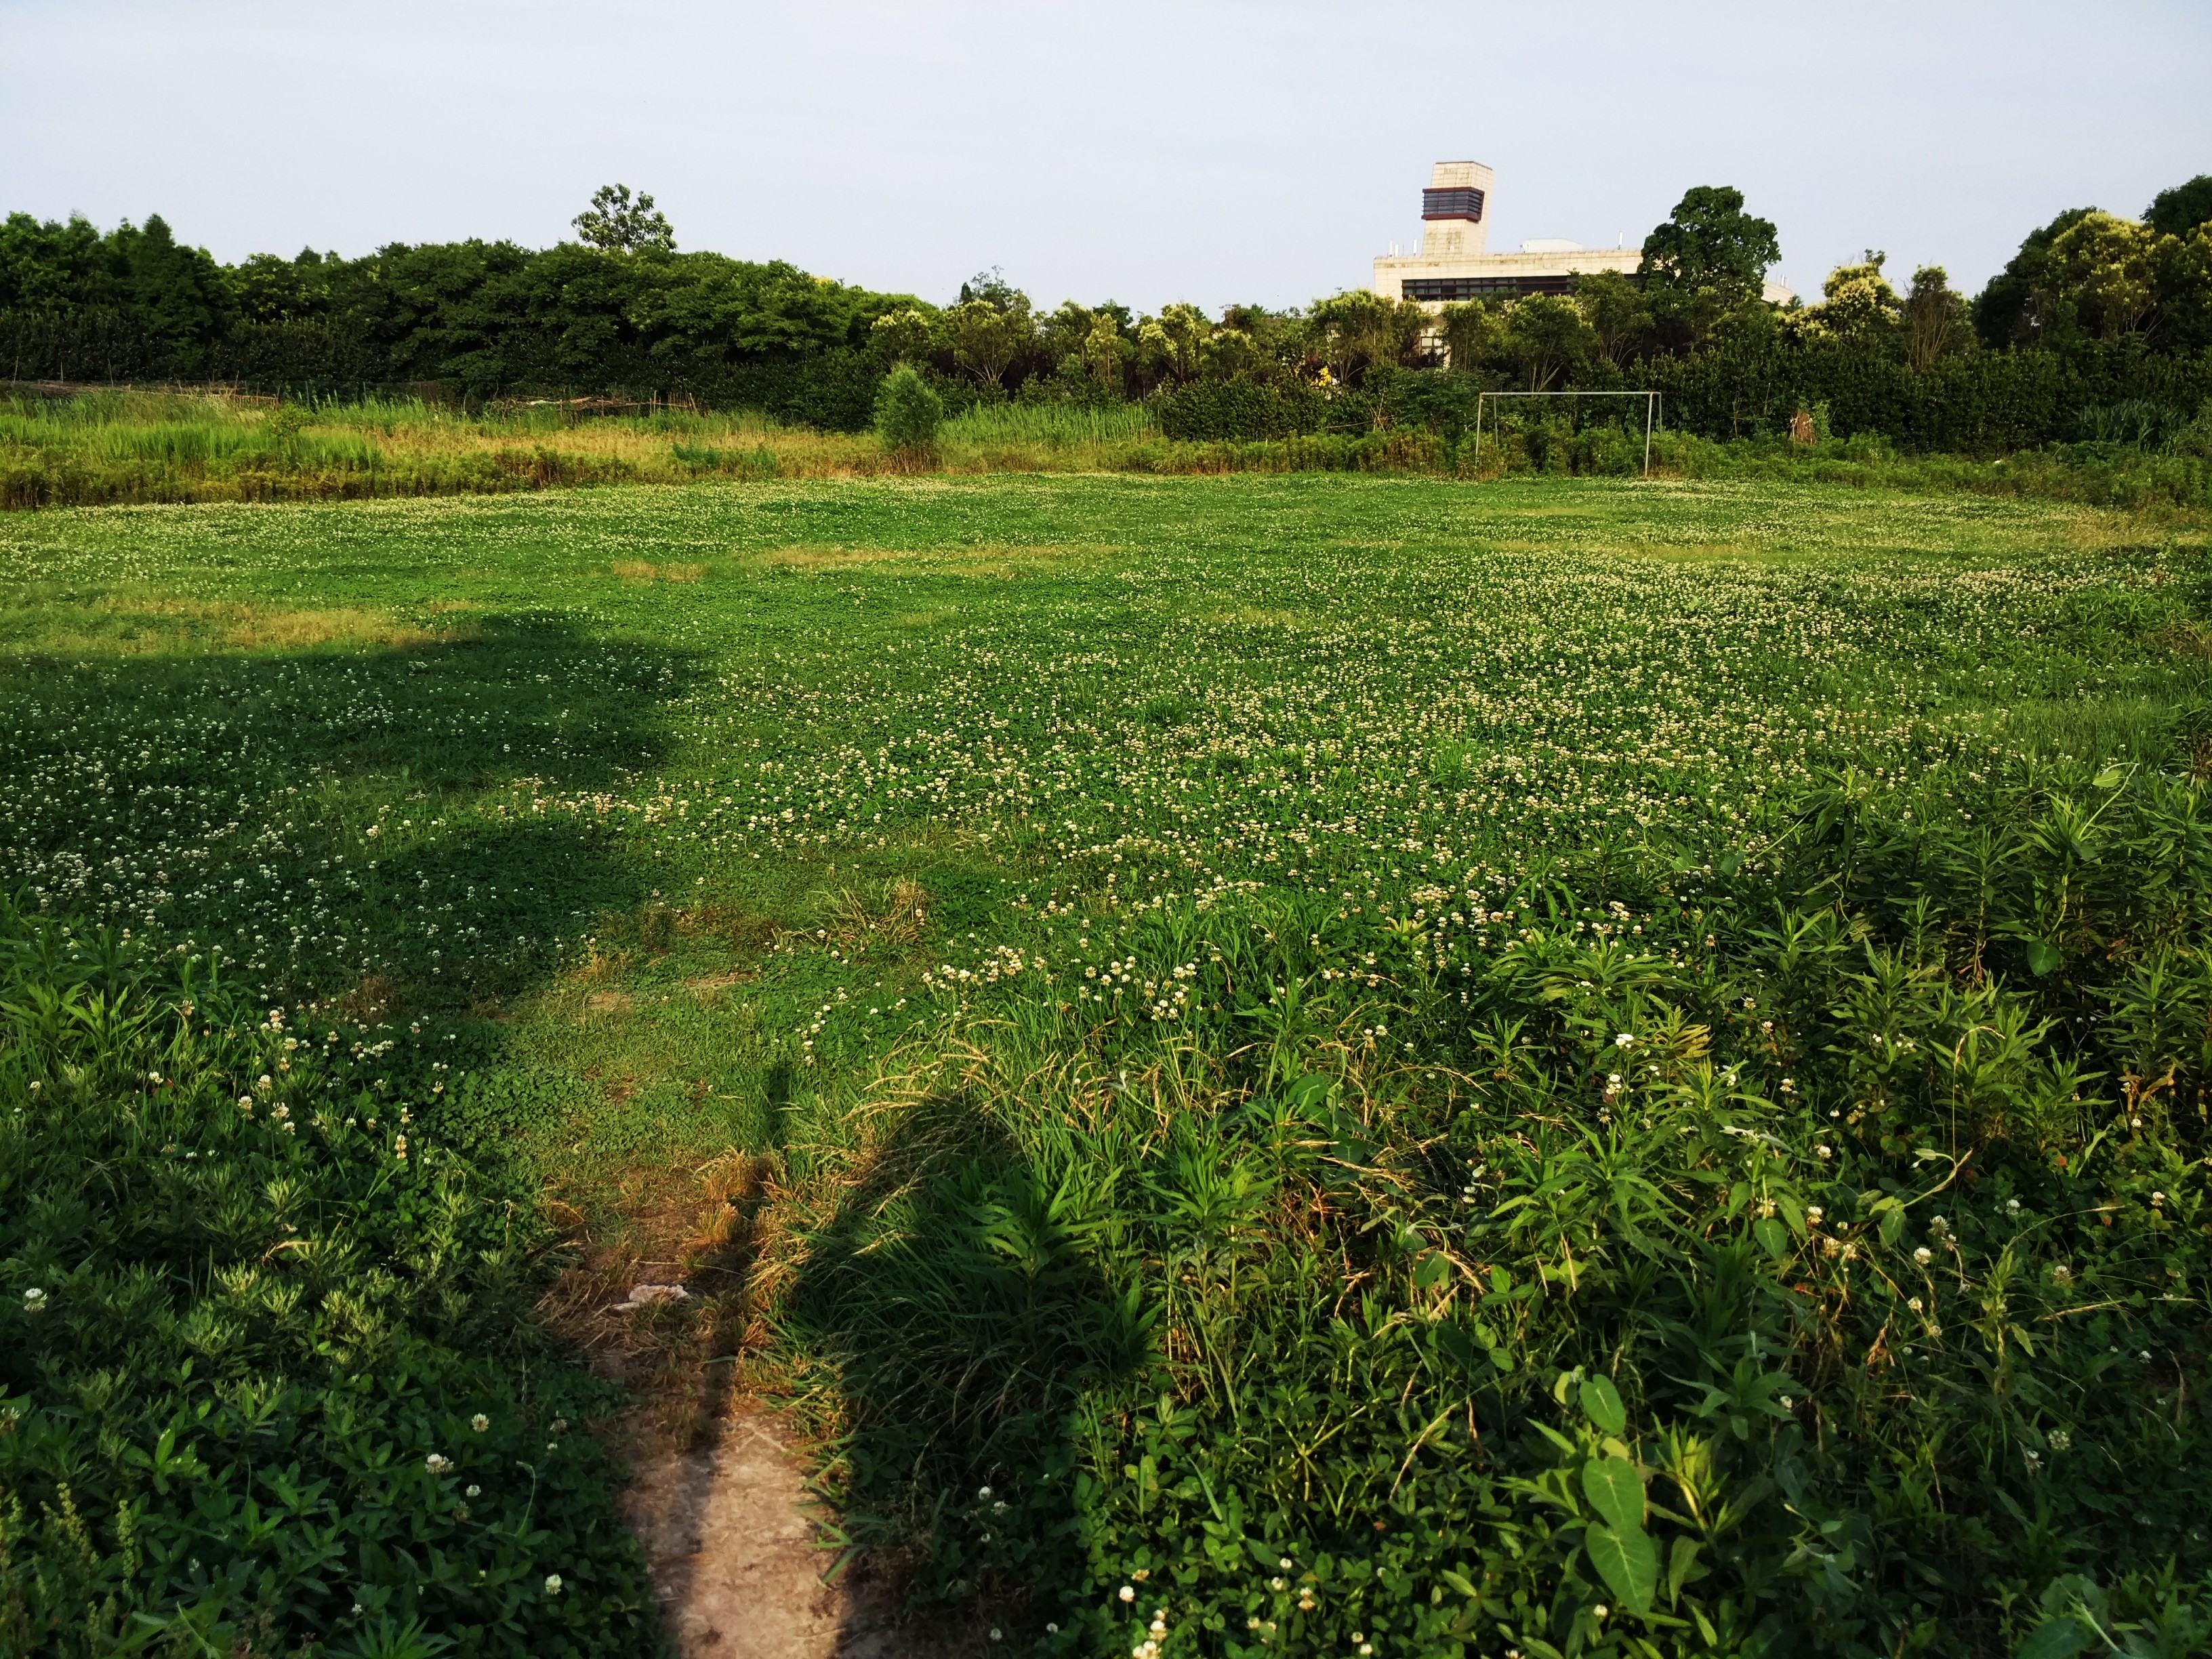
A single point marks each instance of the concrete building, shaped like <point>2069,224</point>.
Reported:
<point>1454,262</point>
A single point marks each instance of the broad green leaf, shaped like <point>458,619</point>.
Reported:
<point>2061,1639</point>
<point>1682,1559</point>
<point>1892,1224</point>
<point>2042,958</point>
<point>2110,778</point>
<point>1458,1582</point>
<point>1773,1237</point>
<point>1433,1269</point>
<point>1628,1562</point>
<point>1615,1491</point>
<point>1602,1401</point>
<point>1501,1359</point>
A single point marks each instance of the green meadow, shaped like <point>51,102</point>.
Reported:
<point>1306,1064</point>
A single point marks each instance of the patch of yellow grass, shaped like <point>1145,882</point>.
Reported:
<point>637,570</point>
<point>156,625</point>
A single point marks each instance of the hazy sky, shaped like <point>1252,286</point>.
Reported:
<point>1144,152</point>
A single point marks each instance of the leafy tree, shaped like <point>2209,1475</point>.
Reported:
<point>992,289</point>
<point>1104,349</point>
<point>1231,353</point>
<point>2181,278</point>
<point>986,340</point>
<point>614,224</point>
<point>1471,332</point>
<point>2099,276</point>
<point>1936,322</point>
<point>1547,335</point>
<point>2006,312</point>
<point>908,412</point>
<point>1859,302</point>
<point>1710,242</point>
<point>905,336</point>
<point>1179,330</point>
<point>2178,211</point>
<point>1617,312</point>
<point>1358,328</point>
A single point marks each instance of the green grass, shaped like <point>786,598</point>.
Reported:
<point>1162,944</point>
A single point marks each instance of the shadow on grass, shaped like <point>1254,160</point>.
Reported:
<point>954,1304</point>
<point>244,788</point>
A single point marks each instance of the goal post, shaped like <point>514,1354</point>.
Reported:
<point>1650,414</point>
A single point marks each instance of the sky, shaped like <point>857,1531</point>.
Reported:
<point>1146,152</point>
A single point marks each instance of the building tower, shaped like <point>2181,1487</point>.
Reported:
<point>1456,262</point>
<point>1452,225</point>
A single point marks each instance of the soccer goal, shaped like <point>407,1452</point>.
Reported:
<point>1650,415</point>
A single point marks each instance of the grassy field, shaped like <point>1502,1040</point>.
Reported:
<point>1305,1065</point>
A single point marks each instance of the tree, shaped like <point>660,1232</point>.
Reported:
<point>1104,348</point>
<point>1361,327</point>
<point>2099,276</point>
<point>986,340</point>
<point>1616,311</point>
<point>1936,319</point>
<point>1230,354</point>
<point>1859,301</point>
<point>1471,332</point>
<point>1175,336</point>
<point>614,224</point>
<point>2006,312</point>
<point>2181,277</point>
<point>904,335</point>
<point>1710,242</point>
<point>1547,335</point>
<point>2178,211</point>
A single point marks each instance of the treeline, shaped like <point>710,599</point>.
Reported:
<point>2100,328</point>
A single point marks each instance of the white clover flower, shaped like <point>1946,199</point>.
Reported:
<point>437,1462</point>
<point>475,1491</point>
<point>1624,1041</point>
<point>552,1583</point>
<point>1129,1593</point>
<point>35,1300</point>
<point>1923,1255</point>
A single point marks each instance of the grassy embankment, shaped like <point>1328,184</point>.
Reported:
<point>130,447</point>
<point>1276,1065</point>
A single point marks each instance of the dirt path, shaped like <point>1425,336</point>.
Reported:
<point>729,1530</point>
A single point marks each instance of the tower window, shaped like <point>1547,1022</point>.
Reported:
<point>1451,205</point>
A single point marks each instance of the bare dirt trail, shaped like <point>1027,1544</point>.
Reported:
<point>730,1533</point>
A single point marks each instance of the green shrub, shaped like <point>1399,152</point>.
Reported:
<point>266,1377</point>
<point>907,413</point>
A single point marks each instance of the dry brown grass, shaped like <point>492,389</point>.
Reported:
<point>145,624</point>
<point>692,1228</point>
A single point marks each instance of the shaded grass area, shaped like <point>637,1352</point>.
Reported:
<point>1109,990</point>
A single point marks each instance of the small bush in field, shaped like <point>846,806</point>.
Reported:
<point>907,413</point>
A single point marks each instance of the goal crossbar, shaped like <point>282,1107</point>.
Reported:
<point>1650,414</point>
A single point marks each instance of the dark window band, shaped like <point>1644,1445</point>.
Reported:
<point>1451,205</point>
